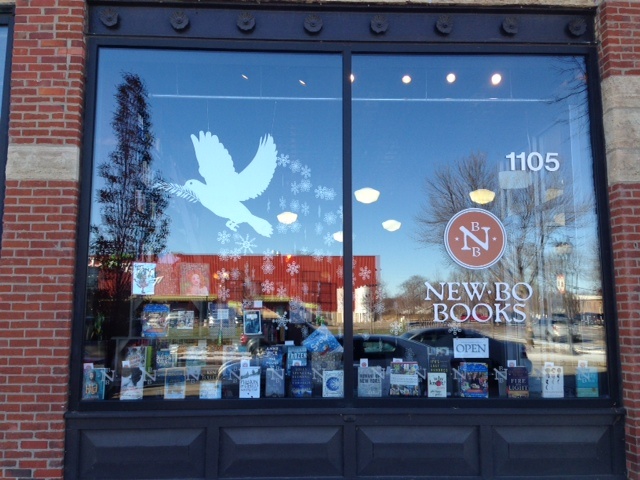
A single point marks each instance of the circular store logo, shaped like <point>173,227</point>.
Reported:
<point>475,238</point>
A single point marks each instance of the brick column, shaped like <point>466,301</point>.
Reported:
<point>619,31</point>
<point>38,238</point>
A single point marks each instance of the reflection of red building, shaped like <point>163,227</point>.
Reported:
<point>307,279</point>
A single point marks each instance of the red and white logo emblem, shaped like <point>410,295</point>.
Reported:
<point>475,238</point>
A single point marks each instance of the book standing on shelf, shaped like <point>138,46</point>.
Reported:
<point>175,383</point>
<point>517,382</point>
<point>249,382</point>
<point>274,382</point>
<point>437,385</point>
<point>404,381</point>
<point>210,386</point>
<point>155,320</point>
<point>93,383</point>
<point>553,382</point>
<point>587,382</point>
<point>133,373</point>
<point>333,383</point>
<point>301,381</point>
<point>474,382</point>
<point>296,356</point>
<point>439,376</point>
<point>370,381</point>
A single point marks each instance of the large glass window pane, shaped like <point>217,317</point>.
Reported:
<point>474,191</point>
<point>214,265</point>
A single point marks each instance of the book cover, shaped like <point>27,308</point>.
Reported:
<point>274,382</point>
<point>272,357</point>
<point>333,383</point>
<point>475,380</point>
<point>404,381</point>
<point>133,373</point>
<point>587,382</point>
<point>436,385</point>
<point>296,356</point>
<point>175,383</point>
<point>553,382</point>
<point>517,382</point>
<point>210,385</point>
<point>301,381</point>
<point>194,279</point>
<point>252,322</point>
<point>155,320</point>
<point>322,361</point>
<point>166,280</point>
<point>93,383</point>
<point>143,279</point>
<point>322,340</point>
<point>249,382</point>
<point>195,359</point>
<point>370,381</point>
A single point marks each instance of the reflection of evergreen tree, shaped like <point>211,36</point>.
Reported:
<point>133,224</point>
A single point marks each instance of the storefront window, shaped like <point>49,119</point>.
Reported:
<point>477,200</point>
<point>217,197</point>
<point>216,267</point>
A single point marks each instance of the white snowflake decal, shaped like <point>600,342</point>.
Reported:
<point>293,269</point>
<point>365,273</point>
<point>305,185</point>
<point>235,274</point>
<point>268,268</point>
<point>305,288</point>
<point>295,166</point>
<point>282,321</point>
<point>282,228</point>
<point>325,193</point>
<point>328,239</point>
<point>304,209</point>
<point>223,255</point>
<point>296,227</point>
<point>282,202</point>
<point>235,255</point>
<point>318,228</point>
<point>246,244</point>
<point>455,328</point>
<point>268,255</point>
<point>330,218</point>
<point>305,172</point>
<point>283,160</point>
<point>295,188</point>
<point>281,292</point>
<point>268,287</point>
<point>318,255</point>
<point>339,272</point>
<point>294,206</point>
<point>396,328</point>
<point>223,294</point>
<point>223,275</point>
<point>224,237</point>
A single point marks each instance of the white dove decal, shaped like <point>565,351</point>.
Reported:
<point>225,189</point>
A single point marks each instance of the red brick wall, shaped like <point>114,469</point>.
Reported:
<point>619,27</point>
<point>38,239</point>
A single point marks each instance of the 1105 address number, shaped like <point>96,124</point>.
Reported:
<point>534,162</point>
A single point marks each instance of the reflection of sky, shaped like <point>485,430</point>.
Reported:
<point>402,133</point>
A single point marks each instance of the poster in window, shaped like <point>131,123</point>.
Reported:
<point>194,279</point>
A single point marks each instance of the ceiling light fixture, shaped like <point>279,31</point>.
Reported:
<point>482,196</point>
<point>287,217</point>
<point>406,79</point>
<point>244,76</point>
<point>496,79</point>
<point>367,195</point>
<point>337,236</point>
<point>302,83</point>
<point>391,225</point>
<point>451,77</point>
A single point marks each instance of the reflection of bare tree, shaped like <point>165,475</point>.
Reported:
<point>411,297</point>
<point>535,212</point>
<point>132,220</point>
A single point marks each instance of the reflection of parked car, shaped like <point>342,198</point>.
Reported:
<point>557,329</point>
<point>499,351</point>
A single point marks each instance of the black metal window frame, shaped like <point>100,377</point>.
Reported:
<point>344,31</point>
<point>6,20</point>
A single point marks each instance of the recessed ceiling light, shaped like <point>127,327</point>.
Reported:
<point>406,79</point>
<point>338,237</point>
<point>451,77</point>
<point>496,79</point>
<point>245,77</point>
<point>302,83</point>
<point>367,195</point>
<point>352,77</point>
<point>391,225</point>
<point>287,218</point>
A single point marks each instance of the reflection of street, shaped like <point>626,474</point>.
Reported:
<point>591,349</point>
